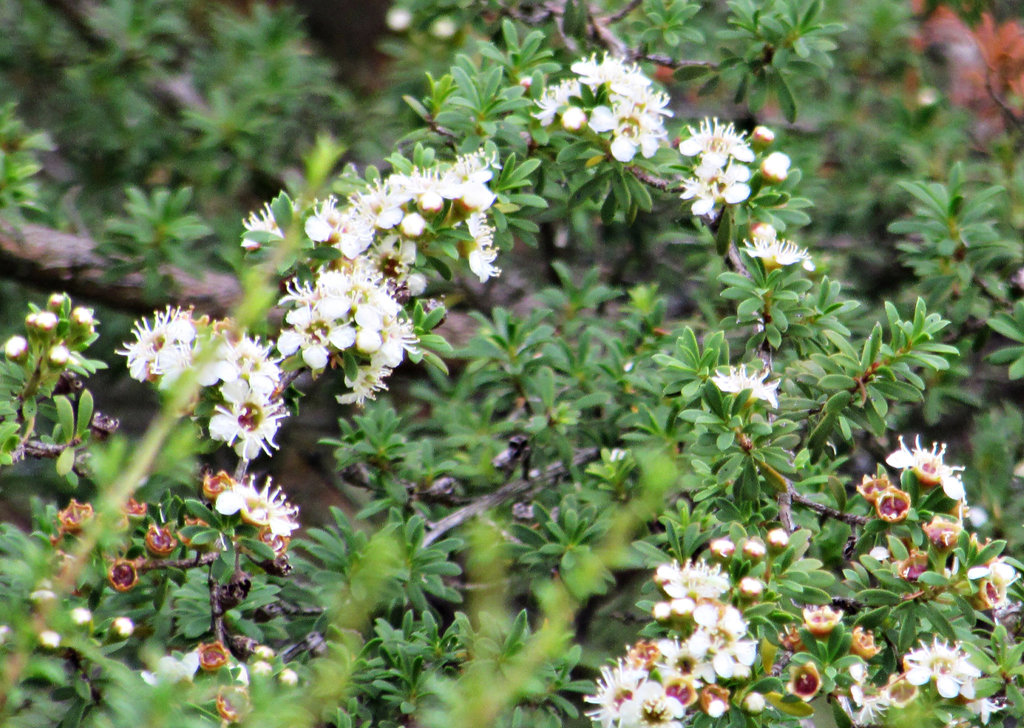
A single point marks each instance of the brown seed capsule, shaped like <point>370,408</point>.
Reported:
<point>214,485</point>
<point>212,655</point>
<point>790,640</point>
<point>892,505</point>
<point>871,487</point>
<point>160,541</point>
<point>74,517</point>
<point>122,575</point>
<point>942,534</point>
<point>820,621</point>
<point>901,692</point>
<point>804,681</point>
<point>133,509</point>
<point>643,655</point>
<point>232,703</point>
<point>863,643</point>
<point>682,688</point>
<point>913,566</point>
<point>275,541</point>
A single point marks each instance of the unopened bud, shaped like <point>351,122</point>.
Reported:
<point>754,702</point>
<point>49,639</point>
<point>413,225</point>
<point>56,302</point>
<point>722,549</point>
<point>81,616</point>
<point>683,607</point>
<point>778,539</point>
<point>430,201</point>
<point>443,28</point>
<point>574,119</point>
<point>288,677</point>
<point>775,167</point>
<point>16,348</point>
<point>263,652</point>
<point>750,587</point>
<point>122,627</point>
<point>398,20</point>
<point>761,137</point>
<point>261,667</point>
<point>526,82</point>
<point>58,356</point>
<point>662,611</point>
<point>82,317</point>
<point>42,321</point>
<point>754,550</point>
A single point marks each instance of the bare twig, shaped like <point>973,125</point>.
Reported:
<point>651,181</point>
<point>537,479</point>
<point>623,11</point>
<point>827,511</point>
<point>57,260</point>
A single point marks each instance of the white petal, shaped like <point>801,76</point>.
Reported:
<point>315,357</point>
<point>229,502</point>
<point>602,119</point>
<point>901,460</point>
<point>623,149</point>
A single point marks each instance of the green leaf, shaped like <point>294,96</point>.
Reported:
<point>65,418</point>
<point>65,461</point>
<point>85,410</point>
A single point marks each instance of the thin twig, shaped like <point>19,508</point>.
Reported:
<point>650,180</point>
<point>537,478</point>
<point>623,12</point>
<point>822,509</point>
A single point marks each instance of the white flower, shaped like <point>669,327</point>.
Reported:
<point>986,707</point>
<point>716,144</point>
<point>774,251</point>
<point>350,233</point>
<point>163,349</point>
<point>248,359</point>
<point>482,252</point>
<point>712,186</point>
<point>381,206</point>
<point>929,467</point>
<point>948,666</point>
<point>652,707</point>
<point>694,579</point>
<point>617,685</point>
<point>262,222</point>
<point>264,508</point>
<point>171,669</point>
<point>368,381</point>
<point>737,379</point>
<point>555,100</point>
<point>249,419</point>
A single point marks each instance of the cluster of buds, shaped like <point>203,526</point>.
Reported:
<point>628,121</point>
<point>54,339</point>
<point>702,667</point>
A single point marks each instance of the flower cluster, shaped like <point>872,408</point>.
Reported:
<point>390,221</point>
<point>631,112</point>
<point>248,410</point>
<point>348,310</point>
<point>268,509</point>
<point>720,175</point>
<point>659,682</point>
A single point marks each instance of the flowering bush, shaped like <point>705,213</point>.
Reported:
<point>635,320</point>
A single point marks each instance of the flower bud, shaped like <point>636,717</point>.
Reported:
<point>288,677</point>
<point>804,681</point>
<point>430,201</point>
<point>58,356</point>
<point>880,553</point>
<point>16,349</point>
<point>863,643</point>
<point>754,550</point>
<point>662,611</point>
<point>263,652</point>
<point>778,539</point>
<point>122,627</point>
<point>123,575</point>
<point>160,541</point>
<point>44,321</point>
<point>526,82</point>
<point>751,588</point>
<point>212,655</point>
<point>81,616</point>
<point>683,608</point>
<point>82,317</point>
<point>261,667</point>
<point>477,198</point>
<point>398,20</point>
<point>892,505</point>
<point>820,621</point>
<point>444,28</point>
<point>574,119</point>
<point>413,225</point>
<point>56,302</point>
<point>49,639</point>
<point>775,167</point>
<point>722,549</point>
<point>754,702</point>
<point>761,138</point>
